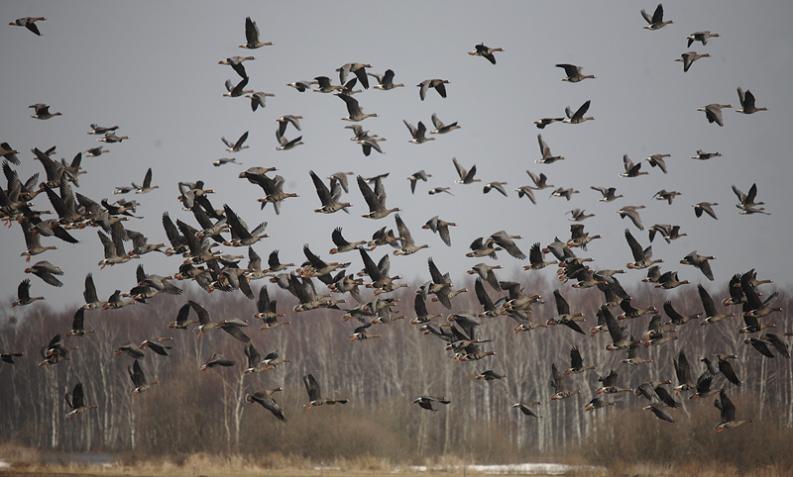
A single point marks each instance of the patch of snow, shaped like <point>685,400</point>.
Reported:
<point>4,464</point>
<point>531,468</point>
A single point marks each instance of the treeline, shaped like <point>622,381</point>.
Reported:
<point>196,411</point>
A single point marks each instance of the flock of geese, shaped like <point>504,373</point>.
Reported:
<point>197,245</point>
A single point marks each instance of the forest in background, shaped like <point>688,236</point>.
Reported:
<point>193,411</point>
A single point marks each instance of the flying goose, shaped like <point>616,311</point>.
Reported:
<point>42,111</point>
<point>417,134</point>
<point>495,185</point>
<point>632,212</point>
<point>559,385</point>
<point>425,402</point>
<point>573,73</point>
<point>688,58</point>
<point>358,69</point>
<point>727,410</point>
<point>657,160</point>
<point>301,86</point>
<point>342,245</point>
<point>699,261</point>
<point>328,198</point>
<point>236,63</point>
<point>76,401</point>
<point>99,130</point>
<point>47,272</point>
<point>566,192</point>
<point>354,111</point>
<point>112,138</point>
<point>711,314</point>
<point>258,99</point>
<point>217,360</point>
<point>385,82</point>
<point>440,127</point>
<point>747,102</point>
<point>485,52</point>
<point>656,22</point>
<point>706,207</point>
<point>314,394</point>
<point>579,215</point>
<point>577,117</point>
<point>667,231</point>
<point>466,176</point>
<point>564,316</point>
<point>236,146</point>
<point>528,192</point>
<point>579,238</point>
<point>658,412</point>
<point>9,153</point>
<point>536,258</point>
<point>438,84</point>
<point>264,399</point>
<point>713,112</point>
<point>481,247</point>
<point>285,144</point>
<point>701,36</point>
<point>540,181</point>
<point>545,151</point>
<point>631,169</point>
<point>23,295</point>
<point>439,190</point>
<point>542,122</point>
<point>29,23</point>
<point>417,176</point>
<point>526,410</point>
<point>252,40</point>
<point>225,160</point>
<point>507,242</point>
<point>642,258</point>
<point>375,199</point>
<point>407,246</point>
<point>235,91</point>
<point>138,378</point>
<point>668,196</point>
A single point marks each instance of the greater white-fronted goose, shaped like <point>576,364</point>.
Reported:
<point>704,156</point>
<point>315,395</point>
<point>236,63</point>
<point>579,215</point>
<point>542,122</point>
<point>438,84</point>
<point>29,23</point>
<point>545,151</point>
<point>632,212</point>
<point>485,52</point>
<point>440,127</point>
<point>23,295</point>
<point>573,72</point>
<point>713,112</point>
<point>358,69</point>
<point>385,82</point>
<point>354,111</point>
<point>417,176</point>
<point>701,36</point>
<point>577,117</point>
<point>566,192</point>
<point>747,102</point>
<point>375,199</point>
<point>666,195</point>
<point>425,402</point>
<point>631,169</point>
<point>540,181</point>
<point>495,185</point>
<point>252,40</point>
<point>47,272</point>
<point>688,58</point>
<point>706,207</point>
<point>465,176</point>
<point>76,401</point>
<point>642,257</point>
<point>658,160</point>
<point>656,22</point>
<point>702,262</point>
<point>42,111</point>
<point>441,227</point>
<point>238,145</point>
<point>727,412</point>
<point>418,135</point>
<point>258,99</point>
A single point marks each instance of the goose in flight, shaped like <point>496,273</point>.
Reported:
<point>217,360</point>
<point>689,57</point>
<point>236,63</point>
<point>577,117</point>
<point>545,151</point>
<point>702,262</point>
<point>747,102</point>
<point>406,244</point>
<point>666,195</point>
<point>701,36</point>
<point>421,175</point>
<point>358,69</point>
<point>29,23</point>
<point>100,130</point>
<point>238,145</point>
<point>235,91</point>
<point>385,82</point>
<point>47,272</point>
<point>485,52</point>
<point>440,127</point>
<point>76,401</point>
<point>315,395</point>
<point>642,257</point>
<point>42,111</point>
<point>425,402</point>
<point>418,134</point>
<point>138,378</point>
<point>146,186</point>
<point>631,169</point>
<point>495,185</point>
<point>265,400</point>
<point>608,194</point>
<point>656,22</point>
<point>659,161</point>
<point>258,99</point>
<point>441,227</point>
<point>465,176</point>
<point>23,295</point>
<point>632,212</point>
<point>713,112</point>
<point>704,156</point>
<point>540,181</point>
<point>301,86</point>
<point>542,122</point>
<point>438,84</point>
<point>573,72</point>
<point>375,199</point>
<point>727,411</point>
<point>285,144</point>
<point>225,160</point>
<point>354,111</point>
<point>252,40</point>
<point>342,245</point>
<point>566,192</point>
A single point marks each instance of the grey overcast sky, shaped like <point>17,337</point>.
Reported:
<point>151,67</point>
